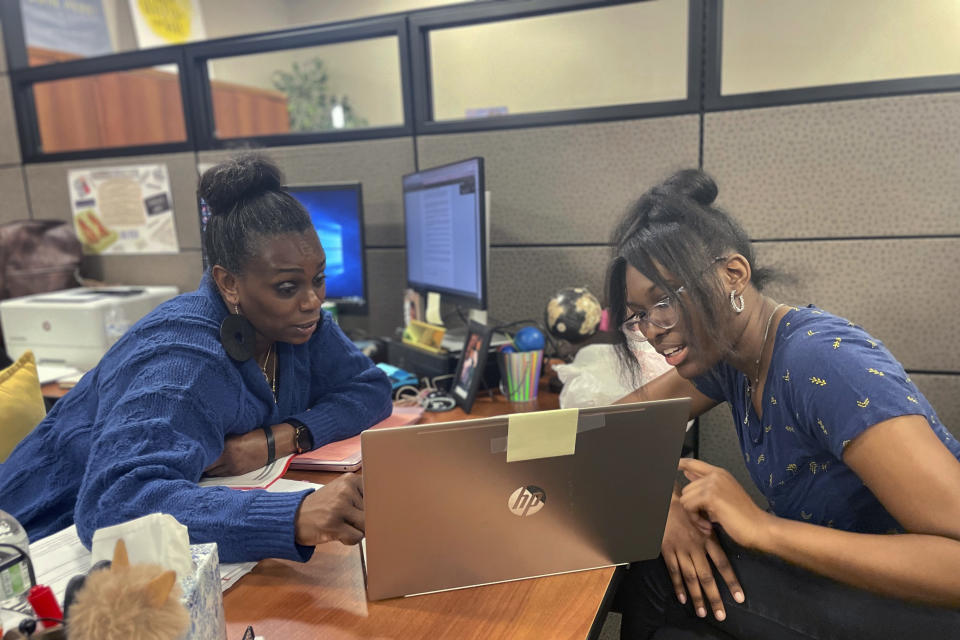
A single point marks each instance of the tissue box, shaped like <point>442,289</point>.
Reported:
<point>202,595</point>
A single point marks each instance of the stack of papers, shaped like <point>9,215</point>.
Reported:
<point>344,455</point>
<point>51,372</point>
<point>257,479</point>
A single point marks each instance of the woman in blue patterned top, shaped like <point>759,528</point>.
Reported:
<point>833,432</point>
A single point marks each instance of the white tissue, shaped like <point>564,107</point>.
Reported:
<point>156,538</point>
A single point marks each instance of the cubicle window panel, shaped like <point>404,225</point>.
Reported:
<point>499,66</point>
<point>340,86</point>
<point>327,83</point>
<point>606,56</point>
<point>118,105</point>
<point>473,66</point>
<point>130,108</point>
<point>782,52</point>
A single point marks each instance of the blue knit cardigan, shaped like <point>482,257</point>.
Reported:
<point>134,436</point>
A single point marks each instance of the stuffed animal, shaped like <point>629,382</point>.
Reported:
<point>128,602</point>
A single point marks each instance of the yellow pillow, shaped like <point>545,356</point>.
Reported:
<point>21,402</point>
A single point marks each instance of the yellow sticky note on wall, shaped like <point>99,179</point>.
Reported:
<point>542,434</point>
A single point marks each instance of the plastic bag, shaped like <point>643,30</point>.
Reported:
<point>595,377</point>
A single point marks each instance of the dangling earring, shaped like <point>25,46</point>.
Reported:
<point>733,302</point>
<point>237,336</point>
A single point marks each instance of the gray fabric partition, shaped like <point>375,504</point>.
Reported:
<point>50,193</point>
<point>183,270</point>
<point>50,198</point>
<point>522,280</point>
<point>894,288</point>
<point>10,145</point>
<point>853,168</point>
<point>567,184</point>
<point>386,279</point>
<point>14,195</point>
<point>3,52</point>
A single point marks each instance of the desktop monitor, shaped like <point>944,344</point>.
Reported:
<point>337,214</point>
<point>444,214</point>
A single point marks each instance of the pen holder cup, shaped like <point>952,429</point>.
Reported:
<point>520,374</point>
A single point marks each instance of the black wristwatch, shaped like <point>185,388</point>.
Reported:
<point>302,438</point>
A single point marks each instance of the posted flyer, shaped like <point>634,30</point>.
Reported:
<point>123,210</point>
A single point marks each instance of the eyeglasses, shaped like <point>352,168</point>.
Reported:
<point>665,315</point>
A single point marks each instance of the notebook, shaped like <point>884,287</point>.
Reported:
<point>444,508</point>
<point>344,455</point>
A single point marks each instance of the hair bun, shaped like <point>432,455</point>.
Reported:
<point>693,184</point>
<point>241,177</point>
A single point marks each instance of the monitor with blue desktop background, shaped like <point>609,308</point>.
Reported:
<point>444,214</point>
<point>337,214</point>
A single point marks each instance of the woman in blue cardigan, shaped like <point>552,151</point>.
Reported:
<point>220,381</point>
<point>862,478</point>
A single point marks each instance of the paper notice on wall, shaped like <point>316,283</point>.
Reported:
<point>70,26</point>
<point>123,210</point>
<point>160,23</point>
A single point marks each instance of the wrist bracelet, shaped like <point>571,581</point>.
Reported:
<point>271,445</point>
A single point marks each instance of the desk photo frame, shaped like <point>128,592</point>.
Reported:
<point>470,368</point>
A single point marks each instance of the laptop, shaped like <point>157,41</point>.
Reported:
<point>445,510</point>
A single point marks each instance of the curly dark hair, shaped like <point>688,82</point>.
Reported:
<point>674,227</point>
<point>247,203</point>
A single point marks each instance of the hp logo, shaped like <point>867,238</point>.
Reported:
<point>526,501</point>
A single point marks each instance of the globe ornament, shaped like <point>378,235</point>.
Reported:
<point>573,314</point>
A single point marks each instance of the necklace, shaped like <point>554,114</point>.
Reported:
<point>766,333</point>
<point>271,378</point>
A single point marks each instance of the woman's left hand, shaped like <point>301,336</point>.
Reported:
<point>241,454</point>
<point>714,496</point>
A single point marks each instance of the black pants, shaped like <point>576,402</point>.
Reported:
<point>783,602</point>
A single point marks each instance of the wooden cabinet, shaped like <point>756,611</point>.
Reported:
<point>240,111</point>
<point>141,106</point>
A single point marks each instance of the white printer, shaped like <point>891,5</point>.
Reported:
<point>75,327</point>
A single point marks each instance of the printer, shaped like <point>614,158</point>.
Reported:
<point>75,327</point>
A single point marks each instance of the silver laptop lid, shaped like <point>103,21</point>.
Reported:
<point>444,508</point>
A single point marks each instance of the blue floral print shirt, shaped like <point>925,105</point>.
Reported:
<point>828,382</point>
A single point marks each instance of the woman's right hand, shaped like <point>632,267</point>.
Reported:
<point>333,512</point>
<point>685,551</point>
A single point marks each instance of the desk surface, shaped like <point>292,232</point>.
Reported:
<point>53,390</point>
<point>325,598</point>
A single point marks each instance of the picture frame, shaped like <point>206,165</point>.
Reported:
<point>470,367</point>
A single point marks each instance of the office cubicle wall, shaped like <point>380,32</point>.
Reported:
<point>555,194</point>
<point>49,197</point>
<point>13,194</point>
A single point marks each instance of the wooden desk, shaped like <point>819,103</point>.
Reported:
<point>325,598</point>
<point>53,391</point>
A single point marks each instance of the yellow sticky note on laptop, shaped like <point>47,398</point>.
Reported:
<point>542,434</point>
